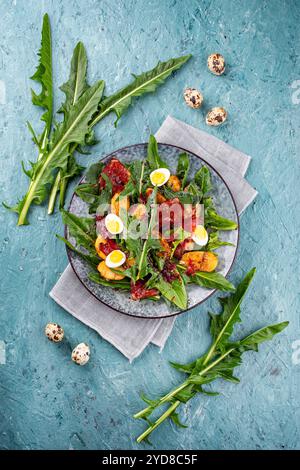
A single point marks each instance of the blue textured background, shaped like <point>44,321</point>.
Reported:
<point>48,402</point>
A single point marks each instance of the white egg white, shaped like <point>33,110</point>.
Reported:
<point>201,241</point>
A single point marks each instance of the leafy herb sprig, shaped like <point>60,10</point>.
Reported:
<point>220,361</point>
<point>83,108</point>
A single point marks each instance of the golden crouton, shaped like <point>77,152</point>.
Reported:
<point>199,261</point>
<point>174,183</point>
<point>108,273</point>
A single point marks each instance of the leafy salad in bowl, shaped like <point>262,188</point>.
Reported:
<point>149,230</point>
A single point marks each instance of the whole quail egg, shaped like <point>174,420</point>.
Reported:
<point>54,332</point>
<point>216,116</point>
<point>216,64</point>
<point>193,98</point>
<point>81,354</point>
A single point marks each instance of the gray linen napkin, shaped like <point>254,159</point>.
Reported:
<point>131,335</point>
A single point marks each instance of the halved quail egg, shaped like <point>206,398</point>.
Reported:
<point>160,176</point>
<point>200,235</point>
<point>115,259</point>
<point>114,224</point>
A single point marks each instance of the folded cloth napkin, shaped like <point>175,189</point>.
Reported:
<point>131,335</point>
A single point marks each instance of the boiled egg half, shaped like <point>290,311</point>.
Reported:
<point>160,176</point>
<point>115,259</point>
<point>200,235</point>
<point>114,224</point>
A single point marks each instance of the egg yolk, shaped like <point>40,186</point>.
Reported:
<point>116,256</point>
<point>158,178</point>
<point>200,232</point>
<point>113,226</point>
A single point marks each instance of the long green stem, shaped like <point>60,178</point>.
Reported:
<point>164,399</point>
<point>53,193</point>
<point>174,392</point>
<point>62,191</point>
<point>169,411</point>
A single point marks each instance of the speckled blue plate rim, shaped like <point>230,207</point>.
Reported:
<point>110,155</point>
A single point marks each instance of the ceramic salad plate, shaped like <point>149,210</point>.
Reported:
<point>158,306</point>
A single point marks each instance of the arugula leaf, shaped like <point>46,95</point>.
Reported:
<point>215,242</point>
<point>138,173</point>
<point>147,82</point>
<point>193,189</point>
<point>87,192</point>
<point>214,220</point>
<point>183,167</point>
<point>82,109</point>
<point>153,157</point>
<point>203,180</point>
<point>77,83</point>
<point>150,243</point>
<point>93,173</point>
<point>91,259</point>
<point>221,363</point>
<point>43,75</point>
<point>122,284</point>
<point>173,291</point>
<point>222,325</point>
<point>212,281</point>
<point>252,341</point>
<point>83,229</point>
<point>72,129</point>
<point>73,90</point>
<point>185,197</point>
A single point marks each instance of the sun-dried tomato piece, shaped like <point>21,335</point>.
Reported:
<point>182,247</point>
<point>108,246</point>
<point>169,272</point>
<point>139,291</point>
<point>117,173</point>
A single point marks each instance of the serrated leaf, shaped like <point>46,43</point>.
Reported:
<point>215,242</point>
<point>92,260</point>
<point>123,284</point>
<point>174,291</point>
<point>203,180</point>
<point>252,341</point>
<point>212,281</point>
<point>176,420</point>
<point>72,130</point>
<point>216,221</point>
<point>83,229</point>
<point>153,157</point>
<point>77,84</point>
<point>222,325</point>
<point>43,75</point>
<point>147,82</point>
<point>183,167</point>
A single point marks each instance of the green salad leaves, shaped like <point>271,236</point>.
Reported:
<point>156,262</point>
<point>84,106</point>
<point>219,362</point>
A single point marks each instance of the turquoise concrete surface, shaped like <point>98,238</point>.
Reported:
<point>45,400</point>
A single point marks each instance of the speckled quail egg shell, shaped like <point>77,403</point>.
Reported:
<point>54,332</point>
<point>216,117</point>
<point>193,98</point>
<point>216,64</point>
<point>81,354</point>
